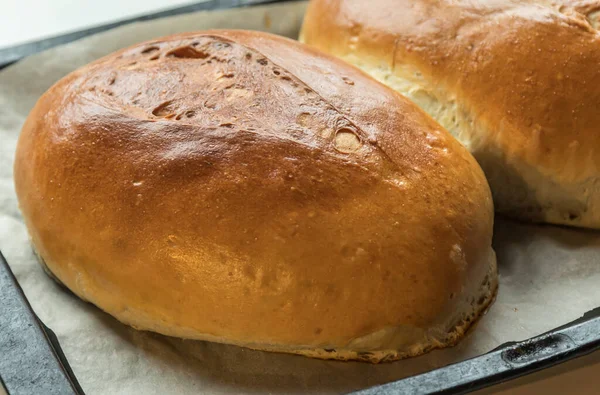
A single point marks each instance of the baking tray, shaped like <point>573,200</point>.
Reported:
<point>32,361</point>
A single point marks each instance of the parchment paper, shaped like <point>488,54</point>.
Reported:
<point>548,275</point>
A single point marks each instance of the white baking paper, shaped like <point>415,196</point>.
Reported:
<point>548,275</point>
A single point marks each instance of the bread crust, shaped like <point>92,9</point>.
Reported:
<point>517,82</point>
<point>240,187</point>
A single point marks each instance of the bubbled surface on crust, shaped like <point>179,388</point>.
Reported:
<point>517,82</point>
<point>240,187</point>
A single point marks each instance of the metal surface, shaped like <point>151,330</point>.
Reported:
<point>31,361</point>
<point>507,362</point>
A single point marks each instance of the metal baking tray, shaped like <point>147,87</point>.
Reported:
<point>32,362</point>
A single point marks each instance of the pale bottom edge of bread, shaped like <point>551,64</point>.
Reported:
<point>488,289</point>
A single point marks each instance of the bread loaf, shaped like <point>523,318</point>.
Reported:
<point>517,82</point>
<point>242,188</point>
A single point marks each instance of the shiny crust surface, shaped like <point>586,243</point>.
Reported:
<point>244,188</point>
<point>525,72</point>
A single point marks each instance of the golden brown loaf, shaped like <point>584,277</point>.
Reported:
<point>243,188</point>
<point>517,82</point>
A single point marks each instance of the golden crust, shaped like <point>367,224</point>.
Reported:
<point>240,187</point>
<point>515,81</point>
